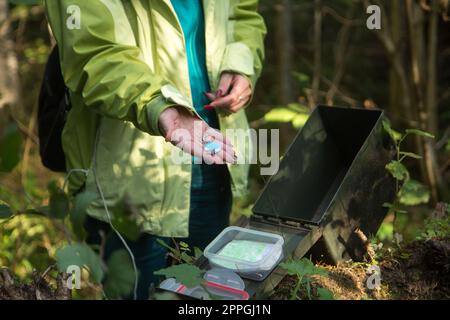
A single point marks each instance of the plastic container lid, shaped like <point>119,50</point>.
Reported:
<point>225,277</point>
<point>220,283</point>
<point>172,285</point>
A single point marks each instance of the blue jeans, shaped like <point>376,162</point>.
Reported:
<point>209,215</point>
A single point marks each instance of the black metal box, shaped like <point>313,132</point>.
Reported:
<point>333,177</point>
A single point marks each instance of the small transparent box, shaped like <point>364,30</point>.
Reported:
<point>250,253</point>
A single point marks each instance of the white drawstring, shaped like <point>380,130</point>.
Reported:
<point>100,191</point>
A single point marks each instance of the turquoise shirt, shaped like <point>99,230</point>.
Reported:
<point>191,17</point>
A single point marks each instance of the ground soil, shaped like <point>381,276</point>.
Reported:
<point>40,288</point>
<point>418,271</point>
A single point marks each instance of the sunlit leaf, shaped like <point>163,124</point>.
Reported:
<point>81,255</point>
<point>300,120</point>
<point>410,155</point>
<point>414,193</point>
<point>303,267</point>
<point>184,246</point>
<point>187,274</point>
<point>396,136</point>
<point>385,232</point>
<point>398,170</point>
<point>281,115</point>
<point>420,133</point>
<point>120,276</point>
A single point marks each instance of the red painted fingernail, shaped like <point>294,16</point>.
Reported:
<point>208,107</point>
<point>219,93</point>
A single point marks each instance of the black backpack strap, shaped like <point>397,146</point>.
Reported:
<point>54,104</point>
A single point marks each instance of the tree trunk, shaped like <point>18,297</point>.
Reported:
<point>9,66</point>
<point>284,45</point>
<point>431,100</point>
<point>395,91</point>
<point>317,50</point>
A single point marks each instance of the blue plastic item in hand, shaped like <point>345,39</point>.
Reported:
<point>212,147</point>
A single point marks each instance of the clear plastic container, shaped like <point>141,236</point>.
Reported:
<point>222,284</point>
<point>250,253</point>
<point>173,286</point>
<point>226,284</point>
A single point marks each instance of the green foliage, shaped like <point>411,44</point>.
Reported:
<point>37,53</point>
<point>27,243</point>
<point>325,294</point>
<point>181,253</point>
<point>419,133</point>
<point>398,170</point>
<point>411,192</point>
<point>303,269</point>
<point>189,275</point>
<point>5,211</point>
<point>10,148</point>
<point>302,78</point>
<point>410,155</point>
<point>81,255</point>
<point>395,135</point>
<point>59,202</point>
<point>294,113</point>
<point>121,277</point>
<point>78,213</point>
<point>386,232</point>
<point>437,227</point>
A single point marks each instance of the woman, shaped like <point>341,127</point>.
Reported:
<point>143,73</point>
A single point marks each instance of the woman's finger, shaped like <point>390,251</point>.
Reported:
<point>218,136</point>
<point>237,93</point>
<point>242,100</point>
<point>210,96</point>
<point>223,102</point>
<point>224,85</point>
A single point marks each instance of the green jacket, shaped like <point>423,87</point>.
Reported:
<point>124,62</point>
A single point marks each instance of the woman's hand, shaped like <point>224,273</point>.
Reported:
<point>233,93</point>
<point>190,134</point>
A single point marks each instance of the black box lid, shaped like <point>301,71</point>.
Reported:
<point>317,163</point>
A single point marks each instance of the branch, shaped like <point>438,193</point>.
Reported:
<point>340,56</point>
<point>317,50</point>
